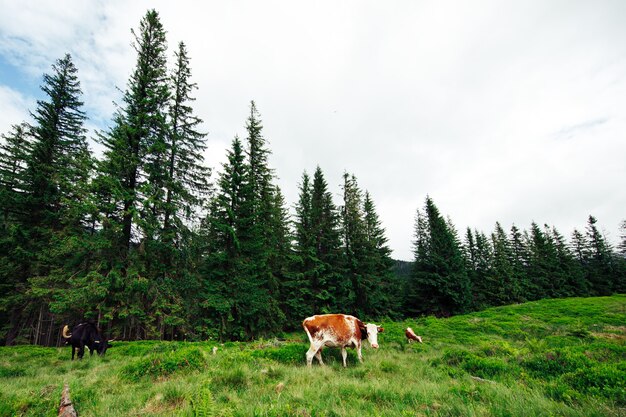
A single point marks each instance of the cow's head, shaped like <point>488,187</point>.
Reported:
<point>372,334</point>
<point>101,345</point>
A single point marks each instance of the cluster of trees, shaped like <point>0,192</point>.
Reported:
<point>143,243</point>
<point>453,275</point>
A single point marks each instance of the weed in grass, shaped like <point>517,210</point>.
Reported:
<point>555,363</point>
<point>12,371</point>
<point>287,354</point>
<point>605,380</point>
<point>158,365</point>
<point>389,367</point>
<point>237,378</point>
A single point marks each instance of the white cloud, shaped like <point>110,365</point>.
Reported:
<point>14,108</point>
<point>501,111</point>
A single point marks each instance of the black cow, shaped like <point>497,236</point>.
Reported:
<point>85,334</point>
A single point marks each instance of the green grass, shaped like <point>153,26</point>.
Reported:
<point>548,358</point>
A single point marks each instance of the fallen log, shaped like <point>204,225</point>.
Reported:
<point>66,409</point>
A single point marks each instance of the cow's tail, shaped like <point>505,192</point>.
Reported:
<point>306,329</point>
<point>66,332</point>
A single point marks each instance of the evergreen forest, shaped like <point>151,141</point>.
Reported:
<point>149,242</point>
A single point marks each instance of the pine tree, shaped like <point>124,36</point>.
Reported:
<point>187,177</point>
<point>60,159</point>
<point>297,298</point>
<point>620,282</point>
<point>519,263</point>
<point>505,287</point>
<point>622,244</point>
<point>54,213</point>
<point>327,282</point>
<point>131,178</point>
<point>385,291</point>
<point>130,189</point>
<point>542,265</point>
<point>15,256</point>
<point>264,315</point>
<point>600,265</point>
<point>15,148</point>
<point>439,282</point>
<point>354,246</point>
<point>480,278</point>
<point>222,270</point>
<point>571,277</point>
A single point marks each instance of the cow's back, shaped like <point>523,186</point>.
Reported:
<point>339,329</point>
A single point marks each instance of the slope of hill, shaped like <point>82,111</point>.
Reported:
<point>551,357</point>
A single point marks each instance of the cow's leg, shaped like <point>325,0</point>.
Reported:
<point>410,341</point>
<point>358,352</point>
<point>313,350</point>
<point>73,351</point>
<point>318,356</point>
<point>344,356</point>
<point>81,351</point>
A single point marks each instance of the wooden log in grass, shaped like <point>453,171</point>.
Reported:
<point>66,409</point>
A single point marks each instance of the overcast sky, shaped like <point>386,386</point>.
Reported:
<point>510,111</point>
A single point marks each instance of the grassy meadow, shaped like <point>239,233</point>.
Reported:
<point>547,358</point>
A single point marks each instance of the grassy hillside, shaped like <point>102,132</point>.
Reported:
<point>552,357</point>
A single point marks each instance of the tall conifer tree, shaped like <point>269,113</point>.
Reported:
<point>439,282</point>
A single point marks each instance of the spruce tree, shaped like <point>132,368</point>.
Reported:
<point>55,212</point>
<point>187,177</point>
<point>327,281</point>
<point>130,189</point>
<point>600,264</point>
<point>131,175</point>
<point>15,255</point>
<point>223,268</point>
<point>264,315</point>
<point>14,151</point>
<point>60,159</point>
<point>505,287</point>
<point>385,291</point>
<point>354,247</point>
<point>439,281</point>
<point>519,262</point>
<point>542,266</point>
<point>622,245</point>
<point>570,273</point>
<point>297,297</point>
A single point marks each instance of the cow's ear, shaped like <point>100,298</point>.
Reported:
<point>380,330</point>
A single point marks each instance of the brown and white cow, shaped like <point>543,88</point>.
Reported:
<point>338,330</point>
<point>410,334</point>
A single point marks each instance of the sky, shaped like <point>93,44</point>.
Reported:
<point>508,111</point>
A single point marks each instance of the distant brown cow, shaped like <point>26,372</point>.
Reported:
<point>410,334</point>
<point>338,330</point>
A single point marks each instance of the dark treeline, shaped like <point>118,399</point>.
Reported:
<point>144,242</point>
